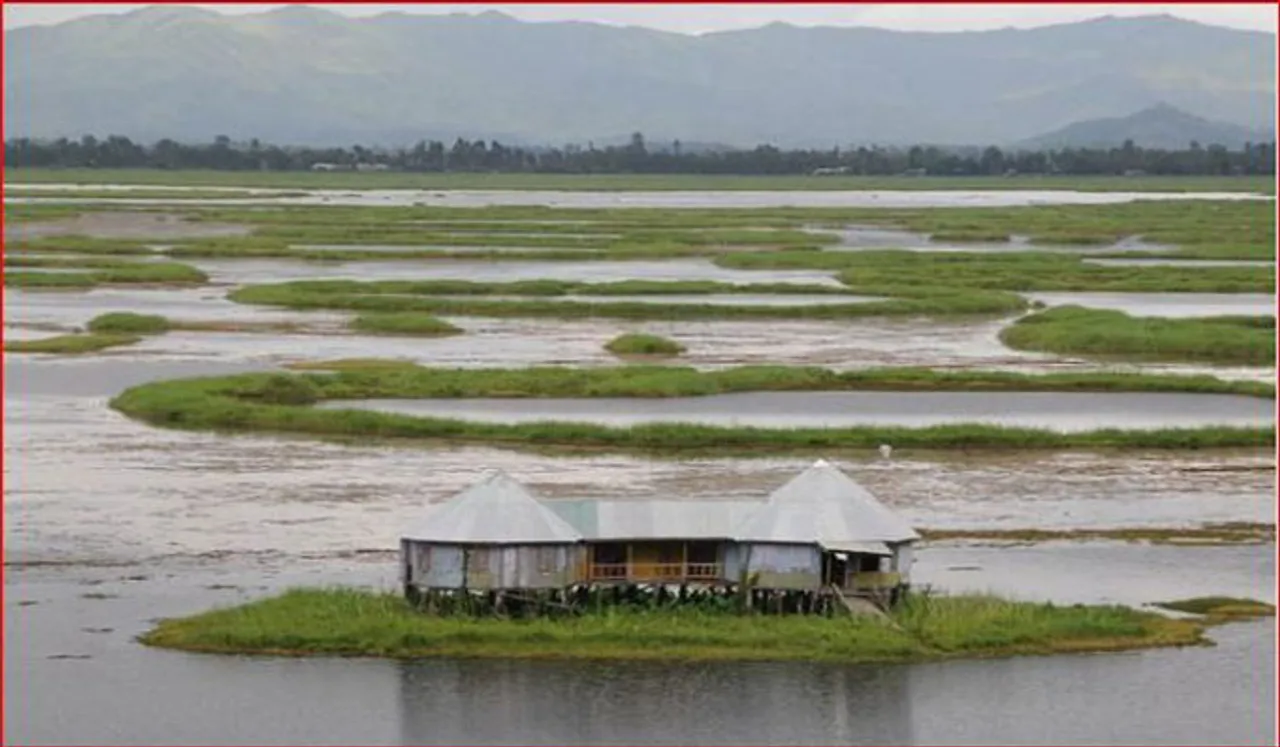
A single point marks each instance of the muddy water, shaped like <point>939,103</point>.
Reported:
<point>196,520</point>
<point>125,225</point>
<point>1165,304</point>
<point>1061,411</point>
<point>74,308</point>
<point>268,271</point>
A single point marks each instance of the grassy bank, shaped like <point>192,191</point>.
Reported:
<point>641,344</point>
<point>441,298</point>
<point>1231,533</point>
<point>1221,609</point>
<point>348,622</point>
<point>248,403</point>
<point>407,324</point>
<point>610,182</point>
<point>1114,335</point>
<point>136,273</point>
<point>887,272</point>
<point>70,344</point>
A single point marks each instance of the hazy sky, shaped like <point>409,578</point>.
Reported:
<point>710,17</point>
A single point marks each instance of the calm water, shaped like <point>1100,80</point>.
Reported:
<point>1165,304</point>
<point>274,270</point>
<point>673,199</point>
<point>79,678</point>
<point>863,238</point>
<point>1062,411</point>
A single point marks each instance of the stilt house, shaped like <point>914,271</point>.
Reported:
<point>820,532</point>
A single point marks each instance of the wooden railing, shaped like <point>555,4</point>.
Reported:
<point>654,571</point>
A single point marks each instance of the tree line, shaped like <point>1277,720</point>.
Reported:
<point>637,157</point>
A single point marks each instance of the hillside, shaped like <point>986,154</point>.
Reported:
<point>1160,126</point>
<point>306,75</point>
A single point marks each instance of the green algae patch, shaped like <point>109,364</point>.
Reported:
<point>641,344</point>
<point>352,622</point>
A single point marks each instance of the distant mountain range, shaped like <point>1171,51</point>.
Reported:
<point>1160,126</point>
<point>308,76</point>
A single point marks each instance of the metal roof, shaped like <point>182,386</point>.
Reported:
<point>635,520</point>
<point>821,505</point>
<point>824,505</point>
<point>495,509</point>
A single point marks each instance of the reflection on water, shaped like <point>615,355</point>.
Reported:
<point>1165,304</point>
<point>1062,411</point>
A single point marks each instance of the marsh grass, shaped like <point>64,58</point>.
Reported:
<point>409,324</point>
<point>137,273</point>
<point>350,622</point>
<point>71,344</point>
<point>234,404</point>
<point>1114,335</point>
<point>123,322</point>
<point>1232,533</point>
<point>642,344</point>
<point>426,297</point>
<point>1221,609</point>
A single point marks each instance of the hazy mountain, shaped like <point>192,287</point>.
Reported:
<point>1160,126</point>
<point>304,75</point>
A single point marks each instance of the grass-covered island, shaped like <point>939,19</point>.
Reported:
<point>351,622</point>
<point>283,403</point>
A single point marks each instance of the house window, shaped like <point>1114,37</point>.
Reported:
<point>547,557</point>
<point>424,559</point>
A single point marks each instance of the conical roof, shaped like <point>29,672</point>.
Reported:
<point>495,509</point>
<point>826,506</point>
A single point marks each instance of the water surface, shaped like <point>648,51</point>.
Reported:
<point>1165,304</point>
<point>1061,411</point>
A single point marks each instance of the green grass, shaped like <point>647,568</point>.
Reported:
<point>138,273</point>
<point>425,297</point>
<point>235,403</point>
<point>1114,335</point>
<point>609,182</point>
<point>350,622</point>
<point>1221,609</point>
<point>70,344</point>
<point>890,272</point>
<point>409,324</point>
<point>123,322</point>
<point>642,344</point>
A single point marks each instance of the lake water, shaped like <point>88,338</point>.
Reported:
<point>239,271</point>
<point>1165,304</point>
<point>671,199</point>
<point>1061,411</point>
<point>864,238</point>
<point>468,249</point>
<point>78,678</point>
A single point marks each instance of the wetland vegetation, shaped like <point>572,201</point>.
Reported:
<point>352,622</point>
<point>238,403</point>
<point>641,344</point>
<point>1114,335</point>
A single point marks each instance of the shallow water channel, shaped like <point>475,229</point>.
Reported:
<point>1060,411</point>
<point>1165,304</point>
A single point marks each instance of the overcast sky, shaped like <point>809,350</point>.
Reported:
<point>699,18</point>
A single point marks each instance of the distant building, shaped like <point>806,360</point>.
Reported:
<point>821,533</point>
<point>326,167</point>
